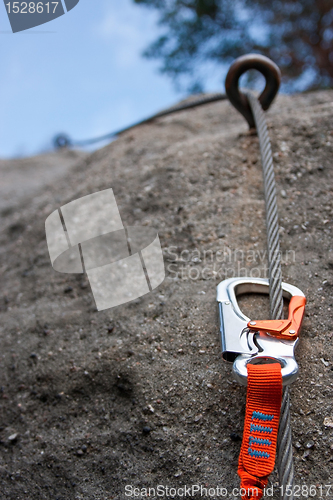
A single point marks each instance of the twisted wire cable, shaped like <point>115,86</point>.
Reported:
<point>284,448</point>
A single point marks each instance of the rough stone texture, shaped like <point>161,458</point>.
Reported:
<point>21,179</point>
<point>138,395</point>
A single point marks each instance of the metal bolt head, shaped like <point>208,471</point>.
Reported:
<point>253,323</point>
<point>292,332</point>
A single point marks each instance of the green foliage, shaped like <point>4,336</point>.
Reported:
<point>297,35</point>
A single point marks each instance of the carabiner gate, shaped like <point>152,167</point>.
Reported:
<point>244,341</point>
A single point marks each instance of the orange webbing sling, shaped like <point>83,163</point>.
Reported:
<point>263,403</point>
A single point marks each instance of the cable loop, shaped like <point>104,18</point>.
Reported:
<point>239,100</point>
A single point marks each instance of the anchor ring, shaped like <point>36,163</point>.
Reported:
<point>62,141</point>
<point>267,68</point>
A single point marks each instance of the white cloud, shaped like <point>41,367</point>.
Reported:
<point>126,29</point>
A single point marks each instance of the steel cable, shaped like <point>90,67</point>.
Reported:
<point>63,140</point>
<point>284,448</point>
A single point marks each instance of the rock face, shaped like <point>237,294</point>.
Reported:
<point>138,395</point>
<point>22,178</point>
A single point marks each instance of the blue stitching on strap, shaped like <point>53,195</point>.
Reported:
<point>260,428</point>
<point>261,416</point>
<point>258,454</point>
<point>254,440</point>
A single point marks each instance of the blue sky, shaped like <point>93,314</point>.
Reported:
<point>82,74</point>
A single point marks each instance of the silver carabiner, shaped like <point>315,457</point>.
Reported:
<point>241,342</point>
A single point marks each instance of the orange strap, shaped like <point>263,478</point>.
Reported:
<point>263,403</point>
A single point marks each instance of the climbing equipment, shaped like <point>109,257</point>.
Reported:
<point>263,402</point>
<point>246,341</point>
<point>273,78</point>
<point>262,352</point>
